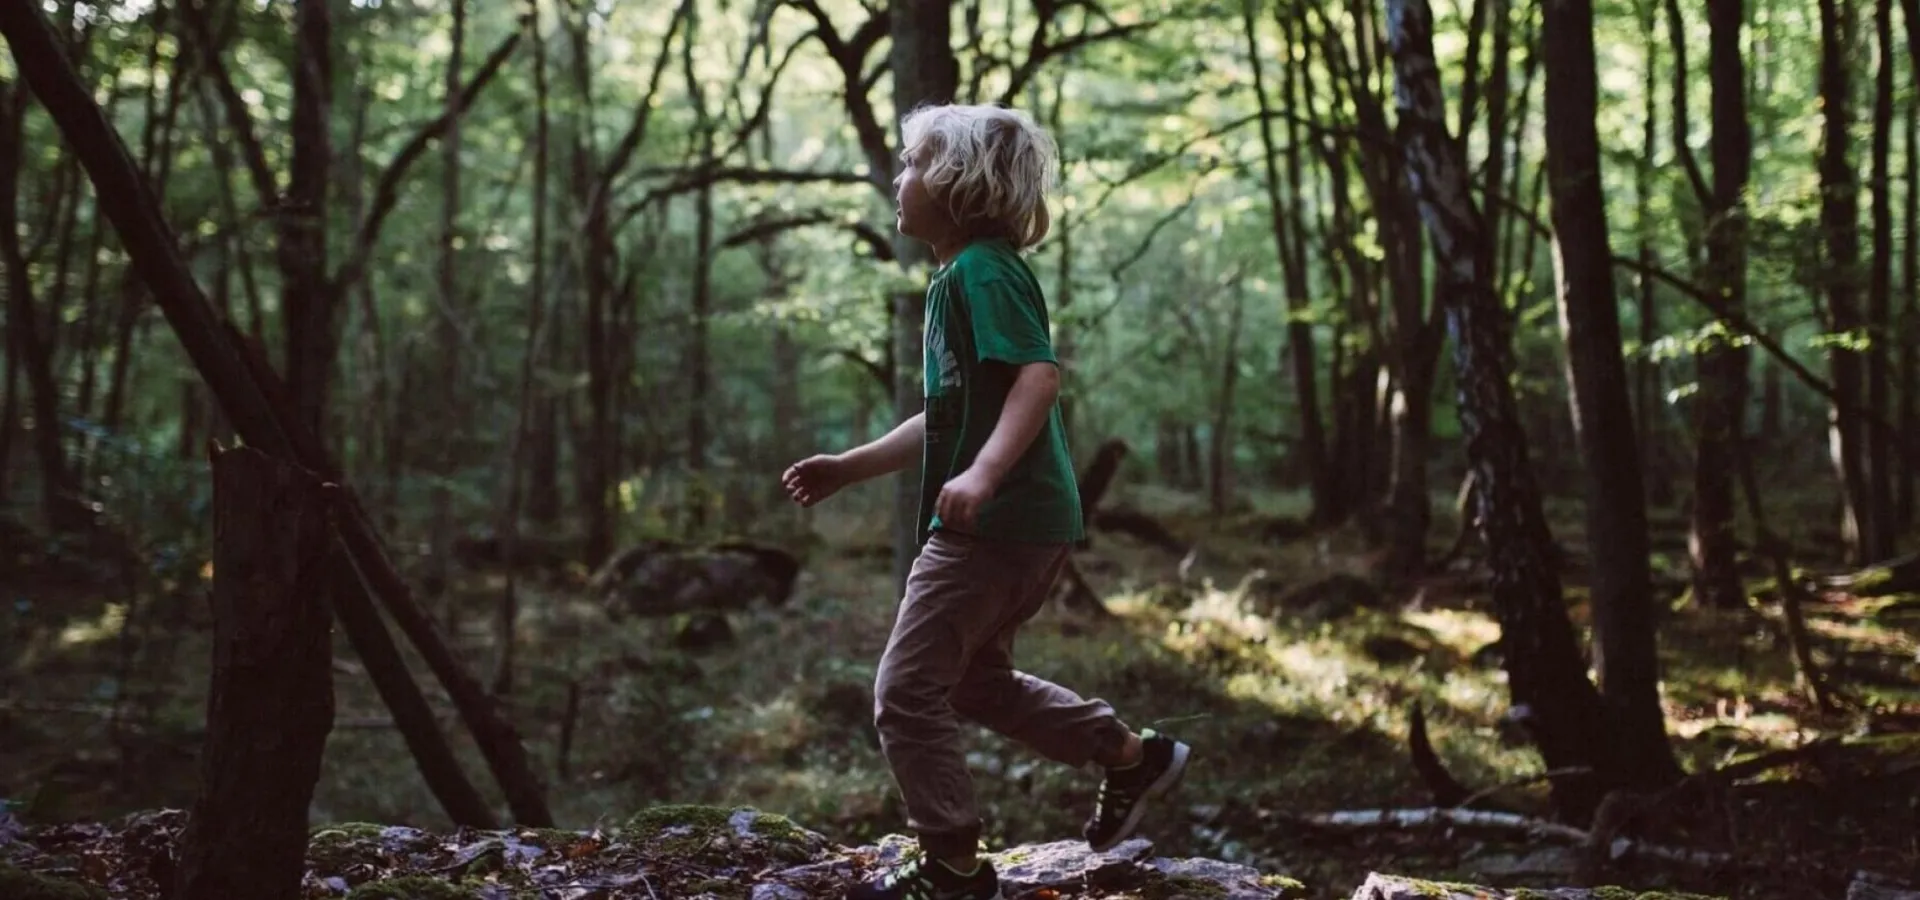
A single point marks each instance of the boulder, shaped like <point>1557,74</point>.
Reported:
<point>661,578</point>
<point>1396,887</point>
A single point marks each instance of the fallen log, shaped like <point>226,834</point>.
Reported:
<point>1619,848</point>
<point>1894,576</point>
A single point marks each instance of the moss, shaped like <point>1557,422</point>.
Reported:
<point>16,884</point>
<point>331,848</point>
<point>411,887</point>
<point>652,821</point>
<point>718,887</point>
<point>1288,887</point>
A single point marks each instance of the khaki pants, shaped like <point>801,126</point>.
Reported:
<point>951,656</point>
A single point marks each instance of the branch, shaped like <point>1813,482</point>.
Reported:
<point>698,178</point>
<point>238,118</point>
<point>637,131</point>
<point>765,228</point>
<point>850,55</point>
<point>1039,52</point>
<point>388,192</point>
<point>1745,327</point>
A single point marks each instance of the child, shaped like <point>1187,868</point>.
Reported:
<point>999,511</point>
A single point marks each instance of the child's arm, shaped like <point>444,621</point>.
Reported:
<point>816,478</point>
<point>897,450</point>
<point>1021,418</point>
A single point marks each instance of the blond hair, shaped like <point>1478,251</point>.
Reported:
<point>992,167</point>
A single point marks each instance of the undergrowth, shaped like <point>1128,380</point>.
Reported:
<point>1290,709</point>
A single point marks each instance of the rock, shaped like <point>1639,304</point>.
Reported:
<point>1067,863</point>
<point>1228,881</point>
<point>1396,887</point>
<point>659,578</point>
<point>18,885</point>
<point>1878,886</point>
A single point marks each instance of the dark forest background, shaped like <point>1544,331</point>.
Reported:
<point>1499,395</point>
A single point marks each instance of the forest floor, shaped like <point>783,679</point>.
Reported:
<point>1297,698</point>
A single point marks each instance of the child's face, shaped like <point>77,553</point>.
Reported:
<point>917,214</point>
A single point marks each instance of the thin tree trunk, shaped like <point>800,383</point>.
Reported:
<point>924,71</point>
<point>1719,405</point>
<point>1839,221</point>
<point>1647,396</point>
<point>1220,441</point>
<point>699,371</point>
<point>1546,674</point>
<point>1286,223</point>
<point>1880,481</point>
<point>1624,643</point>
<point>1909,334</point>
<point>59,495</point>
<point>529,358</point>
<point>449,321</point>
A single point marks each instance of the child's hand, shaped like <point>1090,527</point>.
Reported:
<point>961,499</point>
<point>815,478</point>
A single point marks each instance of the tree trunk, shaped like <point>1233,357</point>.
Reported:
<point>1220,439</point>
<point>698,369</point>
<point>59,494</point>
<point>1546,674</point>
<point>924,71</point>
<point>270,704</point>
<point>1909,333</point>
<point>302,217</point>
<point>1625,646</point>
<point>1721,401</point>
<point>1648,399</point>
<point>1839,222</point>
<point>1880,481</point>
<point>1286,225</point>
<point>448,322</point>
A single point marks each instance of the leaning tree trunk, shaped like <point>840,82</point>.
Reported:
<point>1839,222</point>
<point>270,704</point>
<point>1625,651</point>
<point>256,400</point>
<point>1546,674</point>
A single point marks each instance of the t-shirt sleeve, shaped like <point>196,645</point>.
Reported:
<point>1009,322</point>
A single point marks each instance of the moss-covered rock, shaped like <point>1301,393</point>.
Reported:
<point>709,831</point>
<point>17,884</point>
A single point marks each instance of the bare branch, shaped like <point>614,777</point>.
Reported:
<point>1040,51</point>
<point>238,118</point>
<point>387,194</point>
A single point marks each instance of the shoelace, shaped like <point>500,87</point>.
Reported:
<point>1113,797</point>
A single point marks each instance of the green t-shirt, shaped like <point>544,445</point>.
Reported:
<point>986,317</point>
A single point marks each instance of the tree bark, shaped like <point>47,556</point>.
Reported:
<point>1625,646</point>
<point>1286,225</point>
<point>1722,398</point>
<point>1839,223</point>
<point>1546,674</point>
<point>1909,333</point>
<point>1880,481</point>
<point>698,368</point>
<point>309,301</point>
<point>924,71</point>
<point>59,493</point>
<point>1648,399</point>
<point>254,397</point>
<point>448,319</point>
<point>270,704</point>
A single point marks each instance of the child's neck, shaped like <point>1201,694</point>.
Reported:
<point>946,247</point>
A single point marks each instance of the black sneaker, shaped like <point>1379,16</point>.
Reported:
<point>924,879</point>
<point>1124,792</point>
